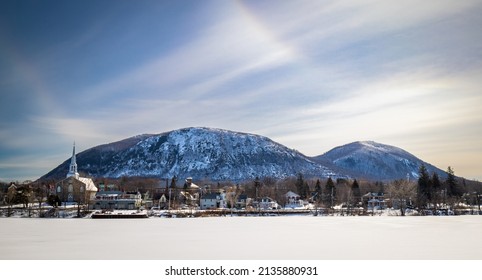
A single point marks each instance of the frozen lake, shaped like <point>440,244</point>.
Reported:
<point>245,238</point>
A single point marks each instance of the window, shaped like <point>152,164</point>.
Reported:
<point>71,188</point>
<point>59,189</point>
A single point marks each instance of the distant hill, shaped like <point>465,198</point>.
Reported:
<point>200,153</point>
<point>375,161</point>
<point>217,154</point>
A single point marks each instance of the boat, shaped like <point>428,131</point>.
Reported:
<point>120,215</point>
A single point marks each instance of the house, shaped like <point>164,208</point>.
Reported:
<point>188,184</point>
<point>374,200</point>
<point>242,201</point>
<point>213,201</point>
<point>187,198</point>
<point>75,188</point>
<point>163,203</point>
<point>147,200</point>
<point>11,193</point>
<point>268,203</point>
<point>19,194</point>
<point>117,200</point>
<point>293,200</point>
<point>191,193</point>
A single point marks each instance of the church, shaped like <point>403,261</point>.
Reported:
<point>75,188</point>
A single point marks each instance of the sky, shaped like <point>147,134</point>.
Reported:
<point>311,75</point>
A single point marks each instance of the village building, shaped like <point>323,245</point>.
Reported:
<point>163,202</point>
<point>267,203</point>
<point>242,201</point>
<point>375,201</point>
<point>75,188</point>
<point>190,193</point>
<point>117,200</point>
<point>293,200</point>
<point>213,201</point>
<point>18,194</point>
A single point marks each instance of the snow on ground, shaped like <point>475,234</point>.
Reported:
<point>245,238</point>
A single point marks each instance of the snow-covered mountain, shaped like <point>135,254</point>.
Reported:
<point>195,152</point>
<point>371,160</point>
<point>216,154</point>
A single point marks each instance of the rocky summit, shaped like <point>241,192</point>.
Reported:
<point>201,153</point>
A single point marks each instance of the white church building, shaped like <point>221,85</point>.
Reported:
<point>75,188</point>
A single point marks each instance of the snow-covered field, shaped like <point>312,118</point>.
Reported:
<point>245,238</point>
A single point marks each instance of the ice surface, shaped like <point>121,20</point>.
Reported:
<point>297,237</point>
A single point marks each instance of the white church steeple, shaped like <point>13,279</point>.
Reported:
<point>73,166</point>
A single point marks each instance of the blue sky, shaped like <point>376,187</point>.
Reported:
<point>311,75</point>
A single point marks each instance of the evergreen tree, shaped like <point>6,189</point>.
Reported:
<point>257,186</point>
<point>318,190</point>
<point>306,190</point>
<point>173,188</point>
<point>330,192</point>
<point>451,183</point>
<point>424,187</point>
<point>355,188</point>
<point>318,187</point>
<point>299,185</point>
<point>436,184</point>
<point>173,182</point>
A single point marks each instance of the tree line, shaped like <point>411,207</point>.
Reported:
<point>428,193</point>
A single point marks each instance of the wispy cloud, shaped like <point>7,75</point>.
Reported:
<point>309,74</point>
<point>206,62</point>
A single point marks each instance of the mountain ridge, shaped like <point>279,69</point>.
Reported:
<point>216,154</point>
<point>219,154</point>
<point>376,161</point>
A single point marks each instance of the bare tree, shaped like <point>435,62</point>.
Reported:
<point>79,197</point>
<point>346,198</point>
<point>40,194</point>
<point>10,199</point>
<point>401,192</point>
<point>280,197</point>
<point>232,195</point>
